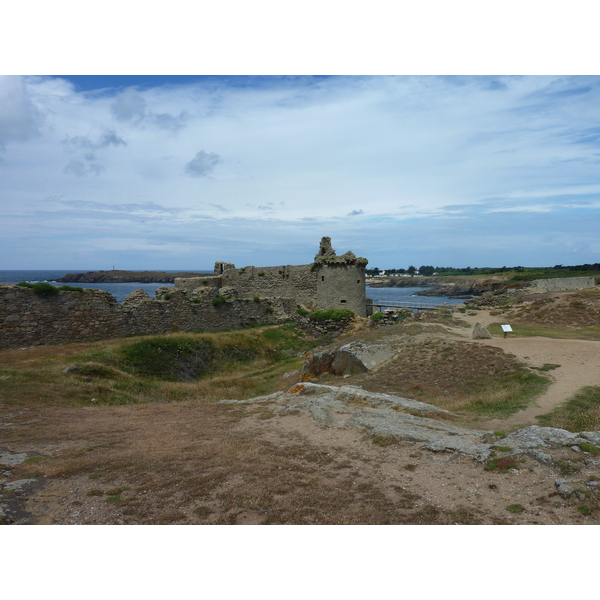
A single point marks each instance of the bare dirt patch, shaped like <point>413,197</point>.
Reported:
<point>198,463</point>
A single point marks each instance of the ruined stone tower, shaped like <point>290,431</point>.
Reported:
<point>331,281</point>
<point>340,279</point>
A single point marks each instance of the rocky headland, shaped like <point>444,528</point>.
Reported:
<point>451,287</point>
<point>117,276</point>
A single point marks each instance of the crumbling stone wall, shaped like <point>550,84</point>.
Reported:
<point>561,284</point>
<point>192,283</point>
<point>297,281</point>
<point>27,319</point>
<point>331,281</point>
<point>247,295</point>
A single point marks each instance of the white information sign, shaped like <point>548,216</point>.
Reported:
<point>506,328</point>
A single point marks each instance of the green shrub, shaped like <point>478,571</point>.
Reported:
<point>44,289</point>
<point>261,274</point>
<point>270,309</point>
<point>593,450</point>
<point>332,314</point>
<point>172,359</point>
<point>25,284</point>
<point>377,317</point>
<point>166,296</point>
<point>302,311</point>
<point>256,299</point>
<point>220,300</point>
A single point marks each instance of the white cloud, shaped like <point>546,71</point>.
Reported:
<point>301,154</point>
<point>202,164</point>
<point>19,117</point>
<point>129,105</point>
<point>80,169</point>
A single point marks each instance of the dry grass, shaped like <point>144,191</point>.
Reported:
<point>196,463</point>
<point>458,376</point>
<point>35,376</point>
<point>563,315</point>
<point>579,413</point>
<point>176,456</point>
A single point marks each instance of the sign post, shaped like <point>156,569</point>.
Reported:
<point>507,329</point>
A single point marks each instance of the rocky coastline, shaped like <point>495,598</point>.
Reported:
<point>457,288</point>
<point>117,276</point>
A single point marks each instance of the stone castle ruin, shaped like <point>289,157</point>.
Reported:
<point>331,281</point>
<point>229,299</point>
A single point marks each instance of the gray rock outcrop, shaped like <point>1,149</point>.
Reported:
<point>352,358</point>
<point>480,332</point>
<point>412,420</point>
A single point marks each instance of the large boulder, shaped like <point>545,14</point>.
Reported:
<point>352,358</point>
<point>357,357</point>
<point>480,332</point>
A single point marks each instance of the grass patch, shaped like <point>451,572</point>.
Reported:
<point>546,367</point>
<point>171,359</point>
<point>501,464</point>
<point>384,440</point>
<point>516,509</point>
<point>220,301</point>
<point>155,369</point>
<point>507,393</point>
<point>332,314</point>
<point>581,412</point>
<point>590,448</point>
<point>44,289</point>
<point>519,330</point>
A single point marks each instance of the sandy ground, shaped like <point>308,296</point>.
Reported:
<point>579,362</point>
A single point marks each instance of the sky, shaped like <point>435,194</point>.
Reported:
<point>176,172</point>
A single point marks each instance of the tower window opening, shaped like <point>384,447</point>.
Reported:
<point>322,277</point>
<point>343,301</point>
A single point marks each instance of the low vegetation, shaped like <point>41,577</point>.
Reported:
<point>579,413</point>
<point>42,288</point>
<point>156,446</point>
<point>170,368</point>
<point>332,314</point>
<point>458,376</point>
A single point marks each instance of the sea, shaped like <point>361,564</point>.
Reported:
<point>121,290</point>
<point>379,295</point>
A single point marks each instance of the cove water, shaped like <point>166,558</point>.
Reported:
<point>119,290</point>
<point>400,294</point>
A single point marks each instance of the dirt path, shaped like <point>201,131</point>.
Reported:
<point>579,362</point>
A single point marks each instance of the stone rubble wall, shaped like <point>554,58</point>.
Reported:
<point>27,319</point>
<point>561,284</point>
<point>192,283</point>
<point>286,281</point>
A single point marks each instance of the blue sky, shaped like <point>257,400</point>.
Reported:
<point>175,172</point>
